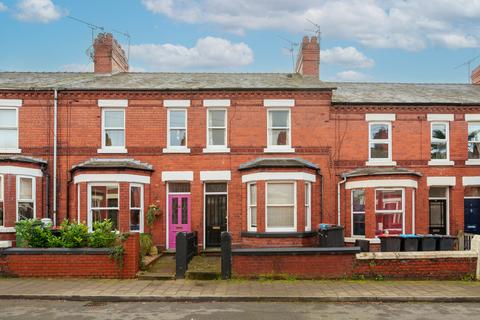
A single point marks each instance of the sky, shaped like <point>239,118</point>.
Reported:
<point>361,40</point>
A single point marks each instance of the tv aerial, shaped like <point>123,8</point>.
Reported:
<point>468,64</point>
<point>291,49</point>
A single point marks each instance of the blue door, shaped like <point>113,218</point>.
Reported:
<point>472,215</point>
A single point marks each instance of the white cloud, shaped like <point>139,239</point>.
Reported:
<point>208,53</point>
<point>3,7</point>
<point>77,67</point>
<point>43,11</point>
<point>346,57</point>
<point>409,24</point>
<point>351,75</point>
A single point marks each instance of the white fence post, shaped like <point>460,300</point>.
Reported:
<point>475,246</point>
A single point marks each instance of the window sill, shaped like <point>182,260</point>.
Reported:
<point>278,150</point>
<point>179,150</point>
<point>216,150</point>
<point>441,163</point>
<point>112,150</point>
<point>473,162</point>
<point>7,229</point>
<point>381,163</point>
<point>10,150</point>
<point>292,234</point>
<point>371,240</point>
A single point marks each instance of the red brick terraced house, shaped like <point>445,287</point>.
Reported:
<point>266,156</point>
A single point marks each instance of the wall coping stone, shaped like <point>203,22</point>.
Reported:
<point>297,251</point>
<point>56,251</point>
<point>279,234</point>
<point>416,255</point>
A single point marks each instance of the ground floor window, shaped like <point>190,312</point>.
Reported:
<point>252,207</point>
<point>308,206</point>
<point>1,201</point>
<point>280,206</point>
<point>358,212</point>
<point>389,210</point>
<point>25,198</point>
<point>136,207</point>
<point>104,203</point>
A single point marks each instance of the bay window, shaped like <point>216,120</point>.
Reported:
<point>281,206</point>
<point>358,212</point>
<point>113,128</point>
<point>474,141</point>
<point>389,211</point>
<point>104,204</point>
<point>8,129</point>
<point>278,124</point>
<point>252,207</point>
<point>439,141</point>
<point>380,141</point>
<point>136,208</point>
<point>25,198</point>
<point>216,128</point>
<point>308,206</point>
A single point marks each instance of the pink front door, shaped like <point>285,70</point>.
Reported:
<point>178,216</point>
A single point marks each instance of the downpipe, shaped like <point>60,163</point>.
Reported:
<point>338,200</point>
<point>54,191</point>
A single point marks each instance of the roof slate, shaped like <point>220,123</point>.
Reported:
<point>277,163</point>
<point>401,93</point>
<point>156,81</point>
<point>24,159</point>
<point>104,163</point>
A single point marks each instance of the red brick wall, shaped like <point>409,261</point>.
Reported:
<point>67,265</point>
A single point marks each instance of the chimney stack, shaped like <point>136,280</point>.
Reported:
<point>308,59</point>
<point>475,76</point>
<point>108,56</point>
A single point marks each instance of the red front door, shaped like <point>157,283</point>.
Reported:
<point>178,217</point>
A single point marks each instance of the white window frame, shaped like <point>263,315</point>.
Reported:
<point>177,149</point>
<point>2,192</point>
<point>34,195</point>
<point>113,149</point>
<point>216,148</point>
<point>277,148</point>
<point>249,206</point>
<point>447,207</point>
<point>141,208</point>
<point>89,200</point>
<point>446,141</point>
<point>16,148</point>
<point>472,161</point>
<point>380,161</point>
<point>390,211</point>
<point>281,229</point>
<point>308,206</point>
<point>355,212</point>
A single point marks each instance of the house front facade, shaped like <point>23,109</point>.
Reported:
<point>265,156</point>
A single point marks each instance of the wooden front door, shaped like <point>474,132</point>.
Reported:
<point>215,218</point>
<point>178,216</point>
<point>438,217</point>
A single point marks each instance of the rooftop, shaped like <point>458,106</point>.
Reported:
<point>376,171</point>
<point>278,163</point>
<point>104,163</point>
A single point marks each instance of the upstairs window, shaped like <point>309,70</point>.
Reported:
<point>8,128</point>
<point>25,198</point>
<point>113,132</point>
<point>177,128</point>
<point>216,128</point>
<point>279,128</point>
<point>104,204</point>
<point>474,141</point>
<point>439,141</point>
<point>380,142</point>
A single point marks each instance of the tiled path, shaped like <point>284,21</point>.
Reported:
<point>239,290</point>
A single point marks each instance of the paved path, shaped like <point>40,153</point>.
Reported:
<point>239,290</point>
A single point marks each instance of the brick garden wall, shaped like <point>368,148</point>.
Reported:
<point>81,263</point>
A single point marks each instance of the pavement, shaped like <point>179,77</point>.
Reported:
<point>239,290</point>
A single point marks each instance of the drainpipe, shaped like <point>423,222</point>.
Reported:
<point>338,199</point>
<point>54,196</point>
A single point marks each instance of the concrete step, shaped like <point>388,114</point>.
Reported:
<point>155,276</point>
<point>202,275</point>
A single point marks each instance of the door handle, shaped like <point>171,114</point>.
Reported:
<point>216,228</point>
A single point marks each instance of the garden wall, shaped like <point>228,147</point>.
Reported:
<point>75,262</point>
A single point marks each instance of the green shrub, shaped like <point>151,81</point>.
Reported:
<point>103,235</point>
<point>146,243</point>
<point>73,234</point>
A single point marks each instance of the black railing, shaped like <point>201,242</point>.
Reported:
<point>186,249</point>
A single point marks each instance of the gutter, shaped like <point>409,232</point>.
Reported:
<point>338,199</point>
